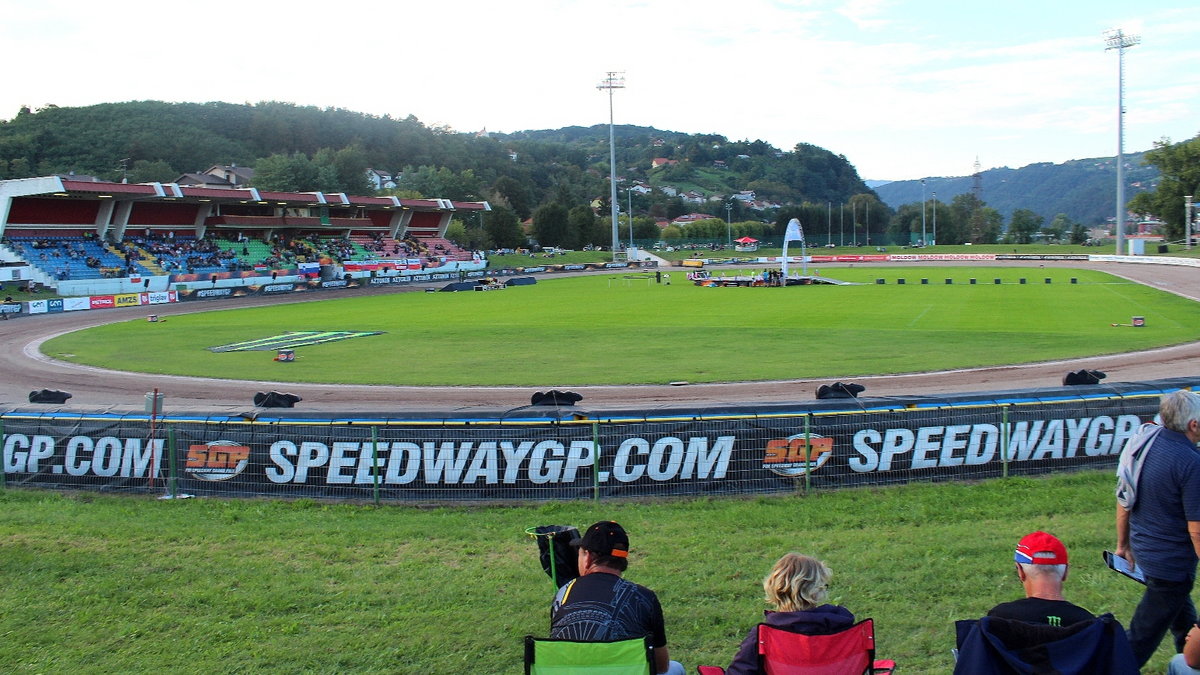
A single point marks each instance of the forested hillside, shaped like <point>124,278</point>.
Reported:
<point>558,177</point>
<point>1084,190</point>
<point>157,141</point>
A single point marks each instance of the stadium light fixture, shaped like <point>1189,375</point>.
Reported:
<point>613,80</point>
<point>1118,40</point>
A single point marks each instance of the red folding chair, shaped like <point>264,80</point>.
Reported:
<point>850,652</point>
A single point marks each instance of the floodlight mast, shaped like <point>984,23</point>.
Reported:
<point>613,80</point>
<point>1118,40</point>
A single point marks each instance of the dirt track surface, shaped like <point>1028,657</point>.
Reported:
<point>23,369</point>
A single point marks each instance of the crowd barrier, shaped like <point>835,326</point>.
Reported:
<point>571,453</point>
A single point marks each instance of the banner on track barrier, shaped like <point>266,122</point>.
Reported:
<point>500,459</point>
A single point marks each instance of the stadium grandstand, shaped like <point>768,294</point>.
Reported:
<point>70,228</point>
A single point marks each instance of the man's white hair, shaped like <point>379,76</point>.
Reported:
<point>1055,571</point>
<point>1178,408</point>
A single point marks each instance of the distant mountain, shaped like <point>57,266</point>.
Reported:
<point>1083,189</point>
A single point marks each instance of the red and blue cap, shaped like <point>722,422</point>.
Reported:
<point>1040,548</point>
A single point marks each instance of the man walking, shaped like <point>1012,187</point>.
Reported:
<point>1158,523</point>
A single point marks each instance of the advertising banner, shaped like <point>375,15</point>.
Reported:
<point>572,459</point>
<point>127,300</point>
<point>101,302</point>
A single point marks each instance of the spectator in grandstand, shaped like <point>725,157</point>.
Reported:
<point>600,605</point>
<point>1041,561</point>
<point>1158,523</point>
<point>796,587</point>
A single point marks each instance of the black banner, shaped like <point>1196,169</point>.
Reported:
<point>488,459</point>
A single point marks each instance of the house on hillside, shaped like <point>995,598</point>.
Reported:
<point>662,161</point>
<point>381,180</point>
<point>691,218</point>
<point>219,176</point>
<point>693,197</point>
<point>668,190</point>
<point>744,196</point>
<point>641,188</point>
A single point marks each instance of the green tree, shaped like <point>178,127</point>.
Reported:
<point>1023,225</point>
<point>19,168</point>
<point>285,173</point>
<point>158,171</point>
<point>504,228</point>
<point>581,227</point>
<point>550,224</point>
<point>1179,166</point>
<point>1058,228</point>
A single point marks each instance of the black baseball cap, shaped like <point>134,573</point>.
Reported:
<point>605,538</point>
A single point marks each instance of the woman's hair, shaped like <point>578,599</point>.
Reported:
<point>797,583</point>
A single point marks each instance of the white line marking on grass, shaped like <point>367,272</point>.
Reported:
<point>918,317</point>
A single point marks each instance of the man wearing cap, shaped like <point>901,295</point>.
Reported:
<point>1042,568</point>
<point>1158,529</point>
<point>599,605</point>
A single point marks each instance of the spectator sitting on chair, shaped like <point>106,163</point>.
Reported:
<point>1042,568</point>
<point>599,605</point>
<point>797,587</point>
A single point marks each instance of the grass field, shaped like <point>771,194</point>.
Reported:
<point>104,583</point>
<point>616,330</point>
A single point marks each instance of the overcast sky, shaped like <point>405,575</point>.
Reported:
<point>903,89</point>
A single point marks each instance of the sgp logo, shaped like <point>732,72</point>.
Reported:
<point>797,455</point>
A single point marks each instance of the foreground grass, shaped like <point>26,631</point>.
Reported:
<point>620,330</point>
<point>128,584</point>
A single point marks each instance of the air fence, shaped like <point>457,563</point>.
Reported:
<point>571,453</point>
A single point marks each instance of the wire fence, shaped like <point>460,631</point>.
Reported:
<point>568,454</point>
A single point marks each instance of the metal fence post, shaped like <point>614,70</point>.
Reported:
<point>1004,440</point>
<point>375,461</point>
<point>173,479</point>
<point>595,460</point>
<point>807,454</point>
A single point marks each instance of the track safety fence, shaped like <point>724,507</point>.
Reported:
<point>574,454</point>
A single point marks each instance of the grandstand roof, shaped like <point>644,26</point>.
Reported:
<point>78,191</point>
<point>58,186</point>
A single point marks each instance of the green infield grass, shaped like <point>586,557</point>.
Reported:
<point>117,584</point>
<point>624,328</point>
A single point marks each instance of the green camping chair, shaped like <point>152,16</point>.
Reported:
<point>544,656</point>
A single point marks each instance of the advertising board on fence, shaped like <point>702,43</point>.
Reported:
<point>493,459</point>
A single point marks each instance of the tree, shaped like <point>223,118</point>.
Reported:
<point>504,228</point>
<point>285,173</point>
<point>550,224</point>
<point>1179,165</point>
<point>515,193</point>
<point>1023,225</point>
<point>1058,228</point>
<point>581,226</point>
<point>1079,234</point>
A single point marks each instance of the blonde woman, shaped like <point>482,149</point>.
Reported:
<point>797,587</point>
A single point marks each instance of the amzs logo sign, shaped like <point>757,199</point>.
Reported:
<point>797,455</point>
<point>218,460</point>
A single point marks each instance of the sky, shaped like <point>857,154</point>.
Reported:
<point>902,89</point>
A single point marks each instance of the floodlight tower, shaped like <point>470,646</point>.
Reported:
<point>613,80</point>
<point>1118,40</point>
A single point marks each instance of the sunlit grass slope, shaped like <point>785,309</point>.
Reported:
<point>614,330</point>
